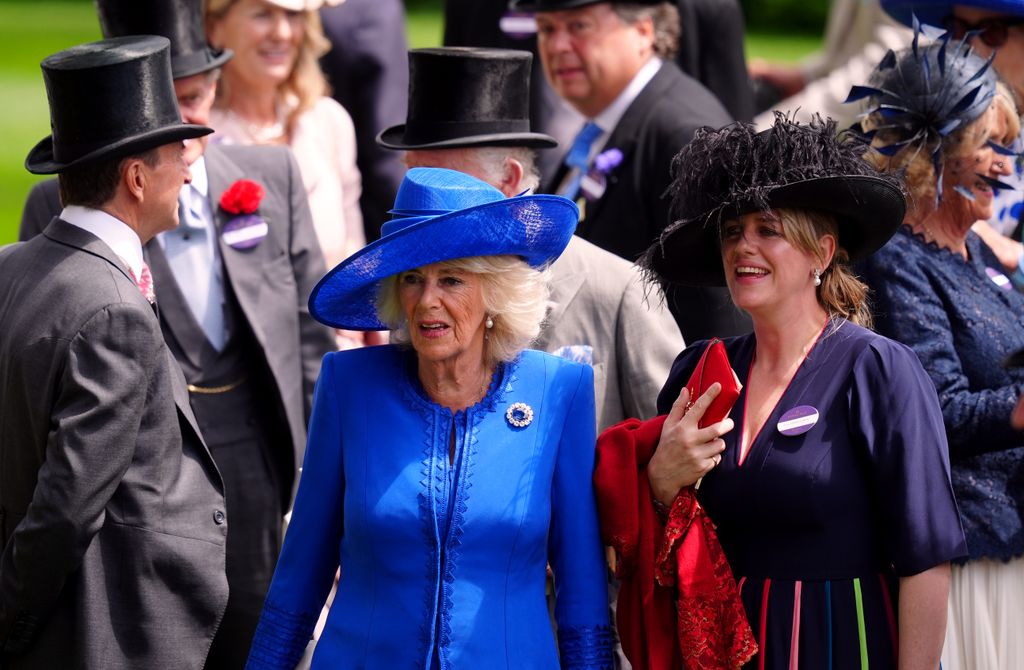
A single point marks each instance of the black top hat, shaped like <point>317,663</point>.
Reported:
<point>725,173</point>
<point>108,99</point>
<point>465,97</point>
<point>180,21</point>
<point>558,5</point>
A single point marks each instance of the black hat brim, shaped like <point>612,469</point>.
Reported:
<point>868,210</point>
<point>532,6</point>
<point>559,5</point>
<point>199,62</point>
<point>394,138</point>
<point>41,160</point>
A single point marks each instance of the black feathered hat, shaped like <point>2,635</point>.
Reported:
<point>725,173</point>
<point>180,21</point>
<point>107,99</point>
<point>467,97</point>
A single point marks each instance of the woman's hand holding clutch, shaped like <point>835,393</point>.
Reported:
<point>685,451</point>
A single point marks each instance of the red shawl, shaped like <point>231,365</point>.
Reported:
<point>678,567</point>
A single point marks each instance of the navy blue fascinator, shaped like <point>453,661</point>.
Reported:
<point>920,96</point>
<point>441,215</point>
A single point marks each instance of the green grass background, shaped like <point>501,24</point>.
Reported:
<point>29,31</point>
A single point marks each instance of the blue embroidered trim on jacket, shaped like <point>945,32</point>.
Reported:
<point>281,638</point>
<point>585,647</point>
<point>439,422</point>
<point>427,520</point>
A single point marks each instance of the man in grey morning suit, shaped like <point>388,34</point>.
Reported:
<point>112,510</point>
<point>232,292</point>
<point>468,111</point>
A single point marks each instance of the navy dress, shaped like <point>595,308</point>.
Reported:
<point>818,527</point>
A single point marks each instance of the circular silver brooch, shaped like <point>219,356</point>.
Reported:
<point>519,415</point>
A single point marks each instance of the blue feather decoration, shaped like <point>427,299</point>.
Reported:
<point>888,61</point>
<point>965,192</point>
<point>965,101</point>
<point>861,92</point>
<point>995,183</point>
<point>1000,149</point>
<point>949,127</point>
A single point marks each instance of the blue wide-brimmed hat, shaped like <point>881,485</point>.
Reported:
<point>441,215</point>
<point>934,12</point>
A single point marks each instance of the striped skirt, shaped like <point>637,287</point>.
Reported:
<point>846,624</point>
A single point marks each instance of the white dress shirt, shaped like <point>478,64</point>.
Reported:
<point>113,232</point>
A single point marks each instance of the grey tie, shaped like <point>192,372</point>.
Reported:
<point>192,257</point>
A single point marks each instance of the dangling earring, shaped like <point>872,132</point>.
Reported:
<point>489,323</point>
<point>817,276</point>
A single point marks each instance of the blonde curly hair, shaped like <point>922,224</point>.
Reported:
<point>306,84</point>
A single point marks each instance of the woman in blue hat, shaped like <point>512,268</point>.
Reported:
<point>444,472</point>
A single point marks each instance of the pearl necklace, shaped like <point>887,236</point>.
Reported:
<point>261,133</point>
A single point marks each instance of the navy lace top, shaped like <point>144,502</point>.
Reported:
<point>962,319</point>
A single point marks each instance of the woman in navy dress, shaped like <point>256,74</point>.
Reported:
<point>829,481</point>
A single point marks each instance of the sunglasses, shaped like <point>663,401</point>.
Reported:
<point>993,32</point>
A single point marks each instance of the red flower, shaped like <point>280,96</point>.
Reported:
<point>242,197</point>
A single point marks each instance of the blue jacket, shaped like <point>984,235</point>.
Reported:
<point>430,579</point>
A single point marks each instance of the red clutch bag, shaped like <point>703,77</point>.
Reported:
<point>712,367</point>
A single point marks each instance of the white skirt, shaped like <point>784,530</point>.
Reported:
<point>986,616</point>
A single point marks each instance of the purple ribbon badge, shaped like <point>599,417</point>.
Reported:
<point>798,420</point>
<point>593,184</point>
<point>244,231</point>
<point>518,25</point>
<point>998,278</point>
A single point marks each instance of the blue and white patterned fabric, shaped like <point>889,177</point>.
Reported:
<point>579,353</point>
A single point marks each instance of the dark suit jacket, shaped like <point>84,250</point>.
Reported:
<point>710,46</point>
<point>271,281</point>
<point>112,509</point>
<point>368,68</point>
<point>631,214</point>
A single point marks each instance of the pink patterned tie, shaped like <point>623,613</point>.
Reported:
<point>145,283</point>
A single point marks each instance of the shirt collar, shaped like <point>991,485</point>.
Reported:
<point>200,181</point>
<point>610,116</point>
<point>113,232</point>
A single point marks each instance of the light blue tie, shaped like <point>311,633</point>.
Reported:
<point>578,158</point>
<point>190,253</point>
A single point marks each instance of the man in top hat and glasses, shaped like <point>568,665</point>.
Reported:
<point>111,508</point>
<point>232,283</point>
<point>611,61</point>
<point>469,111</point>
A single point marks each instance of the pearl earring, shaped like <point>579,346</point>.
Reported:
<point>817,276</point>
<point>489,323</point>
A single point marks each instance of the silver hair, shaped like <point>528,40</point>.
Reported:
<point>664,16</point>
<point>492,162</point>
<point>515,296</point>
